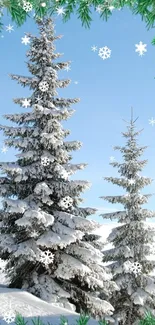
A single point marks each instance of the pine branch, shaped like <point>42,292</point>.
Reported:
<point>82,8</point>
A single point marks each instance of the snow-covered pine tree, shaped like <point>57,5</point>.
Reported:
<point>45,234</point>
<point>133,240</point>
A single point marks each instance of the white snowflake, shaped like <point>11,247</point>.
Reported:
<point>76,82</point>
<point>43,4</point>
<point>38,99</point>
<point>99,8</point>
<point>9,28</point>
<point>152,121</point>
<point>94,48</point>
<point>45,161</point>
<point>141,48</point>
<point>131,181</point>
<point>136,268</point>
<point>27,6</point>
<point>104,52</point>
<point>9,317</point>
<point>46,257</point>
<point>25,40</point>
<point>66,202</point>
<point>67,68</point>
<point>43,86</point>
<point>34,234</point>
<point>26,102</point>
<point>112,158</point>
<point>111,8</point>
<point>60,11</point>
<point>4,149</point>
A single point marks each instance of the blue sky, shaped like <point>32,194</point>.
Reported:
<point>107,89</point>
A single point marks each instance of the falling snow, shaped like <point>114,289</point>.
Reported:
<point>141,48</point>
<point>104,53</point>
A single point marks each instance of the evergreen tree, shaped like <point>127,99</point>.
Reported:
<point>45,234</point>
<point>133,240</point>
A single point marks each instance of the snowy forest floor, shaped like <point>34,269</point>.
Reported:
<point>14,301</point>
<point>29,306</point>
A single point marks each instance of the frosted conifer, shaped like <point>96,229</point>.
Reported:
<point>133,240</point>
<point>45,234</point>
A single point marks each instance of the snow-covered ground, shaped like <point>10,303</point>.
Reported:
<point>29,306</point>
<point>15,300</point>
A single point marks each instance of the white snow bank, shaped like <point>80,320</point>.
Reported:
<point>105,230</point>
<point>29,306</point>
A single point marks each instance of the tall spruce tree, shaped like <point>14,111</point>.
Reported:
<point>133,240</point>
<point>45,235</point>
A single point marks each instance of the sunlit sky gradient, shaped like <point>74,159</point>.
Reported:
<point>107,89</point>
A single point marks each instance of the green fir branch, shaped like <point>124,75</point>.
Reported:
<point>82,8</point>
<point>20,320</point>
<point>39,10</point>
<point>106,13</point>
<point>84,13</point>
<point>153,41</point>
<point>148,320</point>
<point>1,26</point>
<point>69,9</point>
